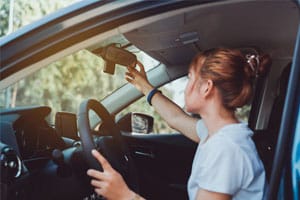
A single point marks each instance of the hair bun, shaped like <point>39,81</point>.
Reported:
<point>258,65</point>
<point>265,64</point>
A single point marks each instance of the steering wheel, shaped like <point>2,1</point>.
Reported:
<point>88,143</point>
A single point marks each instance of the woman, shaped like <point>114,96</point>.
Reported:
<point>226,164</point>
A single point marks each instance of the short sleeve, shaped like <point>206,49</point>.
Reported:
<point>221,169</point>
<point>202,131</point>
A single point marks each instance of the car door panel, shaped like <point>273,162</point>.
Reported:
<point>163,163</point>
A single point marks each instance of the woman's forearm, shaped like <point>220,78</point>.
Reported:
<point>175,116</point>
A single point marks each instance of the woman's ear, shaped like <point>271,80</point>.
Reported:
<point>208,88</point>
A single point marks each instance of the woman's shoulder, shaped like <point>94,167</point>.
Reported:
<point>236,135</point>
<point>230,140</point>
<point>217,144</point>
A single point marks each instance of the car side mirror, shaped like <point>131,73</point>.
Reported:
<point>136,123</point>
<point>141,123</point>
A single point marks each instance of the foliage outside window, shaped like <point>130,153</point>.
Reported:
<point>64,84</point>
<point>15,14</point>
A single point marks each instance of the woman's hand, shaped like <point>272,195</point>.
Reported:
<point>138,78</point>
<point>109,183</point>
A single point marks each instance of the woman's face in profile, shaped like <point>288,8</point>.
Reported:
<point>194,91</point>
<point>191,95</point>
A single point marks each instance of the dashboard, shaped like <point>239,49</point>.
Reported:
<point>27,141</point>
<point>34,137</point>
<point>39,159</point>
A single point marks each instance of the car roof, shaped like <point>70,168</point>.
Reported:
<point>192,26</point>
<point>269,25</point>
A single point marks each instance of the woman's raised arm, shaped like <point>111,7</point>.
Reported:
<point>169,111</point>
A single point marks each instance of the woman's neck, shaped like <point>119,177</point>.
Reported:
<point>217,118</point>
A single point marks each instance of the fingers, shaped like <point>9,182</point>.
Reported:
<point>129,75</point>
<point>96,174</point>
<point>142,68</point>
<point>133,68</point>
<point>109,183</point>
<point>105,164</point>
<point>137,77</point>
<point>98,191</point>
<point>133,72</point>
<point>98,184</point>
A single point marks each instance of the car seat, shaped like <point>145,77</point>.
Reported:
<point>266,140</point>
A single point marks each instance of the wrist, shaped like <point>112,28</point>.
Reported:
<point>134,196</point>
<point>137,197</point>
<point>151,94</point>
<point>147,89</point>
<point>129,195</point>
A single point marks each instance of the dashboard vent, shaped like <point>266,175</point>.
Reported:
<point>11,166</point>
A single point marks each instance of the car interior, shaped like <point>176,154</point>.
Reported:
<point>41,161</point>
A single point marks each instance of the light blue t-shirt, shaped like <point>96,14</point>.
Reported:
<point>227,162</point>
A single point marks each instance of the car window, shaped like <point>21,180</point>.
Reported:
<point>174,91</point>
<point>64,84</point>
<point>18,13</point>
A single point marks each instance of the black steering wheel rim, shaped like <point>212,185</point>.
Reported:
<point>88,142</point>
<point>85,130</point>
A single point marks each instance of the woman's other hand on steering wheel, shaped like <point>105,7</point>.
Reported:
<point>109,183</point>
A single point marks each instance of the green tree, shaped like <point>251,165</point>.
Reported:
<point>25,12</point>
<point>4,17</point>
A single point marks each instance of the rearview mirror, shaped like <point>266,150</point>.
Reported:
<point>115,55</point>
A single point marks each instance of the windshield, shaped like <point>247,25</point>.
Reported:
<point>64,84</point>
<point>18,13</point>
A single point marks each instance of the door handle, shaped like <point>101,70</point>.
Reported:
<point>149,155</point>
